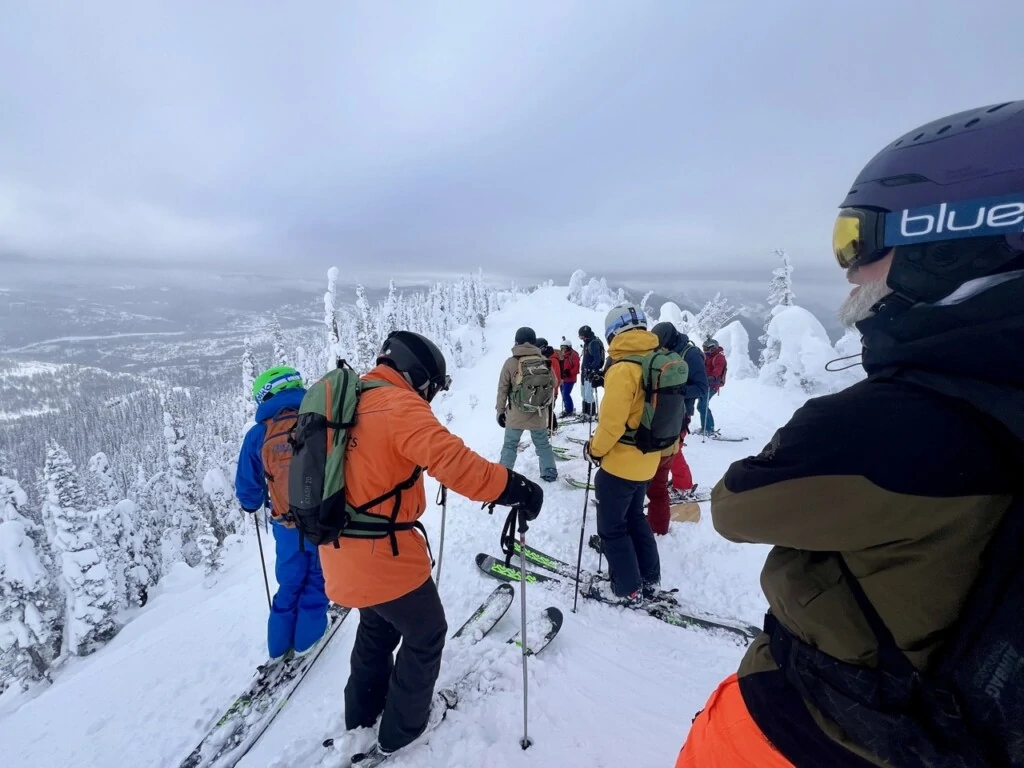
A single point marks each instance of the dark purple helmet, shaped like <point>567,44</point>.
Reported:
<point>948,197</point>
<point>977,153</point>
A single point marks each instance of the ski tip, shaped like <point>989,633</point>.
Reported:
<point>328,743</point>
<point>554,616</point>
<point>481,558</point>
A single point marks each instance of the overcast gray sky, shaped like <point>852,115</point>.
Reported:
<point>670,137</point>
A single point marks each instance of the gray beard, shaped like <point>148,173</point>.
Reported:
<point>858,307</point>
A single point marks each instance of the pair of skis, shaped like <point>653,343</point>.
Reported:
<point>663,606</point>
<point>540,632</point>
<point>561,452</point>
<point>251,713</point>
<point>675,496</point>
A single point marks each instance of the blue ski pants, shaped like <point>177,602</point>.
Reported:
<point>298,614</point>
<point>567,396</point>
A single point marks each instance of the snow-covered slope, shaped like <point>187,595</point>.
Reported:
<point>616,688</point>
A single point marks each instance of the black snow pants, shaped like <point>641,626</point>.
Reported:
<point>626,536</point>
<point>399,691</point>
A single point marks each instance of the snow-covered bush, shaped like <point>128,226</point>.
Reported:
<point>593,294</point>
<point>89,591</point>
<point>797,351</point>
<point>682,319</point>
<point>736,345</point>
<point>847,371</point>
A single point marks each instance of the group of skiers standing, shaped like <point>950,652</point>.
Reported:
<point>895,583</point>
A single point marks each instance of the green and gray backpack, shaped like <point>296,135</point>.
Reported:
<point>533,385</point>
<point>316,478</point>
<point>663,377</point>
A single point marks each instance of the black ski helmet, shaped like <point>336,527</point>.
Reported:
<point>419,359</point>
<point>586,332</point>
<point>526,335</point>
<point>541,342</point>
<point>667,333</point>
<point>946,197</point>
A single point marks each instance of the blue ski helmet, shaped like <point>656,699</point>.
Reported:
<point>948,196</point>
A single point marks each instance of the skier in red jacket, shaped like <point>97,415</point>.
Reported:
<point>715,365</point>
<point>570,360</point>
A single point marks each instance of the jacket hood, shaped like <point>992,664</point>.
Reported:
<point>939,347</point>
<point>522,350</point>
<point>286,398</point>
<point>634,342</point>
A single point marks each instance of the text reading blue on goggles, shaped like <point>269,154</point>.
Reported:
<point>863,235</point>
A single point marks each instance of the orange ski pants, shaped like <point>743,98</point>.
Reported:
<point>725,736</point>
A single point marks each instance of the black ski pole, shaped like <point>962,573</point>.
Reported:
<point>263,562</point>
<point>600,553</point>
<point>583,525</point>
<point>442,500</point>
<point>523,527</point>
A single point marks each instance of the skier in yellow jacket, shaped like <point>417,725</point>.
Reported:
<point>623,470</point>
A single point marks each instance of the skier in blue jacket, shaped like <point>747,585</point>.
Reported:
<point>697,382</point>
<point>298,615</point>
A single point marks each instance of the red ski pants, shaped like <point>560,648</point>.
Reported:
<point>657,494</point>
<point>681,478</point>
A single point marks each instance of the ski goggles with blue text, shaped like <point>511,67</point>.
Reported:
<point>863,235</point>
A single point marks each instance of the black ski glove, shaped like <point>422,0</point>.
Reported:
<point>519,491</point>
<point>597,379</point>
<point>501,420</point>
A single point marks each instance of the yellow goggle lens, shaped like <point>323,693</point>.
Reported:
<point>846,239</point>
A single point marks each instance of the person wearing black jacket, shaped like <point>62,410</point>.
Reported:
<point>591,369</point>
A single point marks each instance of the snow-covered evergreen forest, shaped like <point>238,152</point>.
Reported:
<point>146,480</point>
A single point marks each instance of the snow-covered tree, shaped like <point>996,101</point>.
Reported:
<point>593,294</point>
<point>736,345</point>
<point>366,348</point>
<point>577,283</point>
<point>103,481</point>
<point>277,337</point>
<point>716,314</point>
<point>799,351</point>
<point>334,350</point>
<point>90,595</point>
<point>644,305</point>
<point>182,503</point>
<point>390,314</point>
<point>780,290</point>
<point>30,605</point>
<point>250,370</point>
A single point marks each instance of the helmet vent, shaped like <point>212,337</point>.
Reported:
<point>943,129</point>
<point>969,123</point>
<point>997,107</point>
<point>902,180</point>
<point>918,136</point>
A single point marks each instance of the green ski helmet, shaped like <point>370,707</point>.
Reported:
<point>274,380</point>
